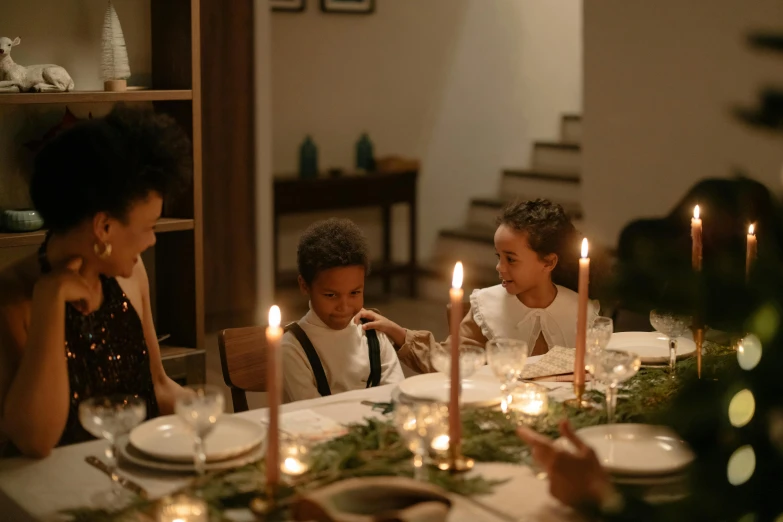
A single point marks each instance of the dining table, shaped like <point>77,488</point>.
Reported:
<point>41,489</point>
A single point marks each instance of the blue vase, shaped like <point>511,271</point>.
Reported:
<point>308,159</point>
<point>364,154</point>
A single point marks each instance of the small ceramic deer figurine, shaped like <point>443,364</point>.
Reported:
<point>34,78</point>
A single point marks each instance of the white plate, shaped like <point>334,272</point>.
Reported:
<point>477,390</point>
<point>138,458</point>
<point>651,347</point>
<point>168,438</point>
<point>639,450</point>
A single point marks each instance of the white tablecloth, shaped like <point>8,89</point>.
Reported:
<point>39,489</point>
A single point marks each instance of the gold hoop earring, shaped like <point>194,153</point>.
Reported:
<point>106,250</point>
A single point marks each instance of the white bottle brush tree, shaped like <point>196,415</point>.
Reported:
<point>114,64</point>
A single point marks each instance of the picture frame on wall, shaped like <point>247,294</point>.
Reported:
<point>290,6</point>
<point>348,6</point>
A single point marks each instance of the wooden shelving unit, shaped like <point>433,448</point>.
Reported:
<point>96,97</point>
<point>178,292</point>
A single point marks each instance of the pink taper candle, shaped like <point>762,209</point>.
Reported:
<point>581,321</point>
<point>274,386</point>
<point>752,250</point>
<point>455,424</point>
<point>696,245</point>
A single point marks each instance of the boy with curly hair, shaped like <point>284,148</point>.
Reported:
<point>326,351</point>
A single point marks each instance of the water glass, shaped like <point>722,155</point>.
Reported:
<point>614,367</point>
<point>507,358</point>
<point>471,358</point>
<point>672,326</point>
<point>110,418</point>
<point>424,427</point>
<point>200,410</point>
<point>599,333</point>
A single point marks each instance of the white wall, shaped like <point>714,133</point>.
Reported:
<point>463,85</point>
<point>660,81</point>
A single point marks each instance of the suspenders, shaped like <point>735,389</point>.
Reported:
<point>373,345</point>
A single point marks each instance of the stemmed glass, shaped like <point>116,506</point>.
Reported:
<point>507,358</point>
<point>110,418</point>
<point>613,367</point>
<point>200,410</point>
<point>423,426</point>
<point>471,358</point>
<point>672,326</point>
<point>599,333</point>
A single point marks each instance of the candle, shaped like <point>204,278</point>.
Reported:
<point>752,249</point>
<point>183,508</point>
<point>581,323</point>
<point>294,456</point>
<point>274,388</point>
<point>455,426</point>
<point>440,443</point>
<point>696,245</point>
<point>526,398</point>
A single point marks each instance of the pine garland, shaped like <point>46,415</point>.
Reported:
<point>374,448</point>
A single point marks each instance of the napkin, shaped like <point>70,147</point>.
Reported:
<point>374,499</point>
<point>557,361</point>
<point>309,425</point>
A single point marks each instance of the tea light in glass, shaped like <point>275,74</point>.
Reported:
<point>527,399</point>
<point>294,456</point>
<point>183,508</point>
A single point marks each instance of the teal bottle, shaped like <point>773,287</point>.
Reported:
<point>308,159</point>
<point>364,154</point>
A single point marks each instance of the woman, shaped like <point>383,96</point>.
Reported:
<point>75,319</point>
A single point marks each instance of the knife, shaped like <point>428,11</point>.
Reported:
<point>122,481</point>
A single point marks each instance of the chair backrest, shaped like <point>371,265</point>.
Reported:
<point>243,360</point>
<point>465,309</point>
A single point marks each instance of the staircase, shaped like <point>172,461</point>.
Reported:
<point>554,175</point>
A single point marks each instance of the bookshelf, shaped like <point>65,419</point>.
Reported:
<point>176,262</point>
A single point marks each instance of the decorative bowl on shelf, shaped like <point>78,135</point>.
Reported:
<point>26,220</point>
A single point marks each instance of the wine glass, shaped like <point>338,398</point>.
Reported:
<point>471,358</point>
<point>110,418</point>
<point>599,333</point>
<point>613,367</point>
<point>672,326</point>
<point>200,409</point>
<point>507,358</point>
<point>422,426</point>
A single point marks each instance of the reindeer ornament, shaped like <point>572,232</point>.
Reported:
<point>33,78</point>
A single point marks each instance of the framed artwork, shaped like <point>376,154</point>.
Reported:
<point>348,6</point>
<point>287,5</point>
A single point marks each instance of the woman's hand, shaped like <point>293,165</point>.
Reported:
<point>576,478</point>
<point>379,323</point>
<point>68,285</point>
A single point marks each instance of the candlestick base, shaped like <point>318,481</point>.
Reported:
<point>579,401</point>
<point>698,338</point>
<point>460,464</point>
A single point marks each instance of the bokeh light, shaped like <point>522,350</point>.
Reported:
<point>741,408</point>
<point>742,464</point>
<point>749,352</point>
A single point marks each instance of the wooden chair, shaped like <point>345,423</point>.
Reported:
<point>243,360</point>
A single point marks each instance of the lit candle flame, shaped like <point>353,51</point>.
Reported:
<point>456,281</point>
<point>696,212</point>
<point>274,316</point>
<point>751,229</point>
<point>584,248</point>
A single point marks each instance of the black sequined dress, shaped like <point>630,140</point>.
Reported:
<point>106,353</point>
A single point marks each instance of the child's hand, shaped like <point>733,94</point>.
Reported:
<point>378,322</point>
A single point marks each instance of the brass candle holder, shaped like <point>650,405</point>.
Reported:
<point>455,462</point>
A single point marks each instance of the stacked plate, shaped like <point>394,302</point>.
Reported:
<point>477,390</point>
<point>166,444</point>
<point>638,454</point>
<point>651,347</point>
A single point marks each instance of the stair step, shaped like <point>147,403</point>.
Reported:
<point>434,280</point>
<point>563,187</point>
<point>473,246</point>
<point>483,212</point>
<point>571,128</point>
<point>555,156</point>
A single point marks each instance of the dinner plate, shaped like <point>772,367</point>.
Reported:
<point>138,458</point>
<point>651,347</point>
<point>636,450</point>
<point>477,390</point>
<point>169,438</point>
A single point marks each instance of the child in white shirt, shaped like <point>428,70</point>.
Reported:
<point>532,241</point>
<point>333,261</point>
